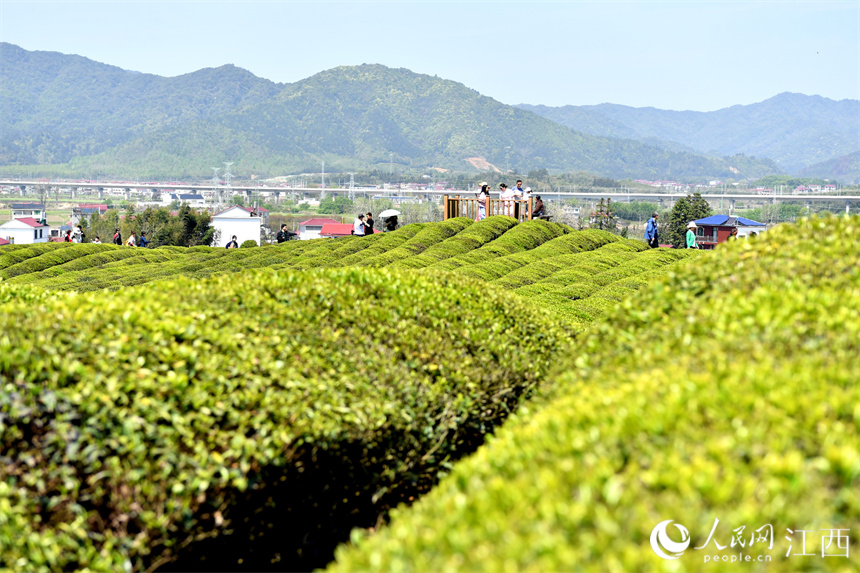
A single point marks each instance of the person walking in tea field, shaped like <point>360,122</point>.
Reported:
<point>68,237</point>
<point>282,234</point>
<point>78,235</point>
<point>117,238</point>
<point>358,226</point>
<point>390,224</point>
<point>132,240</point>
<point>97,241</point>
<point>368,224</point>
<point>143,241</point>
<point>233,244</point>
<point>691,235</point>
<point>652,232</point>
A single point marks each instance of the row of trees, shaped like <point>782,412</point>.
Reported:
<point>186,228</point>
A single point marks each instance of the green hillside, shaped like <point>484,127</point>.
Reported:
<point>54,107</point>
<point>84,117</point>
<point>794,130</point>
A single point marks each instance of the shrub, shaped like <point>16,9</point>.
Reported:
<point>724,391</point>
<point>135,421</point>
<point>248,243</point>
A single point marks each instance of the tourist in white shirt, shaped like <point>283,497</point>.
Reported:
<point>358,226</point>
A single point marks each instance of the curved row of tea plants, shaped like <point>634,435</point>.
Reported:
<point>726,391</point>
<point>137,420</point>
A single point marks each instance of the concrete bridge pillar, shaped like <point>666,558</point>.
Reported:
<point>127,194</point>
<point>808,206</point>
<point>23,188</point>
<point>74,193</point>
<point>101,193</point>
<point>731,207</point>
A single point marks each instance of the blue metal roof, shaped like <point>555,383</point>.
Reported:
<point>750,222</point>
<point>729,221</point>
<point>713,220</point>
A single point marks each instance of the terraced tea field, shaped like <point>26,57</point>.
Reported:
<point>246,409</point>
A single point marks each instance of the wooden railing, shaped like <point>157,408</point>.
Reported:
<point>457,206</point>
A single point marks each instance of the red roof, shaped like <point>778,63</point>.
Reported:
<point>319,222</point>
<point>339,230</point>
<point>30,221</point>
<point>336,229</point>
<point>3,241</point>
<point>93,206</point>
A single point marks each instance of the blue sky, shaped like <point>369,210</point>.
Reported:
<point>671,55</point>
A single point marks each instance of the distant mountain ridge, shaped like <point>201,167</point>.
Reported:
<point>88,116</point>
<point>794,130</point>
<point>845,169</point>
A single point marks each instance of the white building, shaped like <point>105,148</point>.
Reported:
<point>193,200</point>
<point>25,231</point>
<point>23,210</point>
<point>238,221</point>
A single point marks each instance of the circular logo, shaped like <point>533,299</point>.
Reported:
<point>659,538</point>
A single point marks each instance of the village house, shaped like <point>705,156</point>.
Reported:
<point>240,221</point>
<point>25,231</point>
<point>23,210</point>
<point>716,229</point>
<point>192,199</point>
<point>312,228</point>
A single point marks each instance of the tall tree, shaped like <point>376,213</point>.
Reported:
<point>686,209</point>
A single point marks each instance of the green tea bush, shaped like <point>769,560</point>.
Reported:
<point>84,262</point>
<point>521,237</point>
<point>14,254</point>
<point>426,237</point>
<point>136,421</point>
<point>246,244</point>
<point>727,391</point>
<point>51,257</point>
<point>469,239</point>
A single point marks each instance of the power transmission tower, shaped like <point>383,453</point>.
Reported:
<point>352,186</point>
<point>215,183</point>
<point>322,193</point>
<point>228,179</point>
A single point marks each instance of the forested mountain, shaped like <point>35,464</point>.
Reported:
<point>54,107</point>
<point>794,130</point>
<point>845,169</point>
<point>57,108</point>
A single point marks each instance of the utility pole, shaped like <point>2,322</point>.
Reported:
<point>322,193</point>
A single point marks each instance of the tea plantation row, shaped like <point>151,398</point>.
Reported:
<point>724,397</point>
<point>550,259</point>
<point>138,420</point>
<point>286,406</point>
